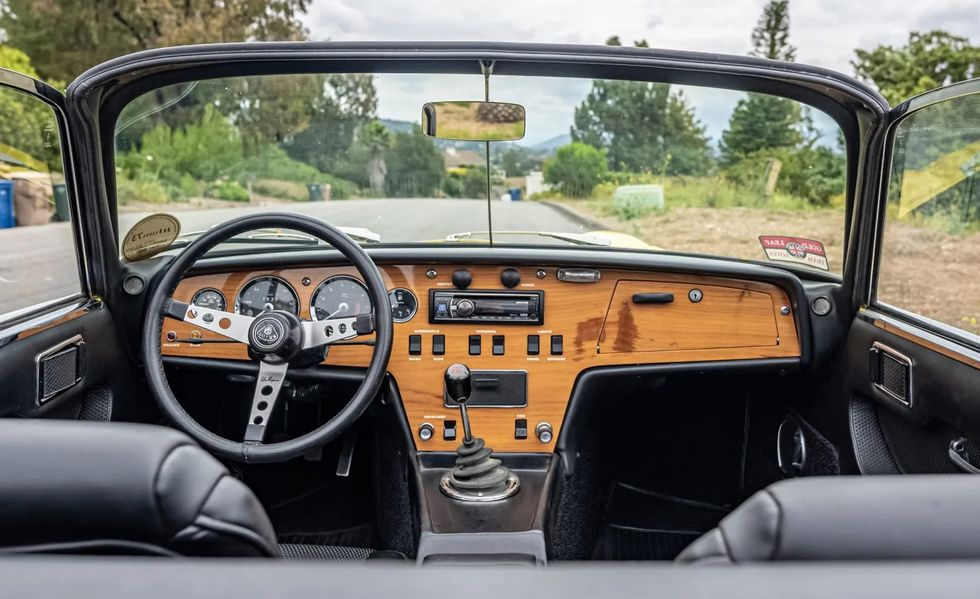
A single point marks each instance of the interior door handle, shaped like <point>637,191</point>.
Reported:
<point>653,298</point>
<point>956,450</point>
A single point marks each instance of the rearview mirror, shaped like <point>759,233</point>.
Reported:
<point>473,121</point>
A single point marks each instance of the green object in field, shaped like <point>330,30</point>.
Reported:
<point>632,201</point>
<point>316,192</point>
<point>62,212</point>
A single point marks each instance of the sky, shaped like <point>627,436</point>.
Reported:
<point>825,32</point>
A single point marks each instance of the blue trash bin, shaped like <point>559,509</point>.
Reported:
<point>515,194</point>
<point>6,204</point>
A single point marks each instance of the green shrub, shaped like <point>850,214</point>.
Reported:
<point>815,174</point>
<point>273,163</point>
<point>576,169</point>
<point>286,190</point>
<point>230,191</point>
<point>128,191</point>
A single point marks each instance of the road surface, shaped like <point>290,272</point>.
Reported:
<point>37,263</point>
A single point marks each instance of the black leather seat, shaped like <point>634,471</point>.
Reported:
<point>111,488</point>
<point>913,517</point>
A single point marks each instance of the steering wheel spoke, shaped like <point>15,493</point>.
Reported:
<point>267,387</point>
<point>332,330</point>
<point>227,324</point>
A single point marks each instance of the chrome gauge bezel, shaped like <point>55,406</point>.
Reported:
<point>323,283</point>
<point>224,300</point>
<point>415,310</point>
<point>238,295</point>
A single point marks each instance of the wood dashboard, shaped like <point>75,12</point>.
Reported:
<point>599,324</point>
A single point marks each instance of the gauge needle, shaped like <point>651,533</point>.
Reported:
<point>343,307</point>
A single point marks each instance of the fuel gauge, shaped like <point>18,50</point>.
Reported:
<point>403,304</point>
<point>210,298</point>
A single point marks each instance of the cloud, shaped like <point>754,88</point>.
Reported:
<point>825,32</point>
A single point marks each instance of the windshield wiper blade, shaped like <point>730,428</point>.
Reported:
<point>573,238</point>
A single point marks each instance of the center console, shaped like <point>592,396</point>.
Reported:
<point>478,507</point>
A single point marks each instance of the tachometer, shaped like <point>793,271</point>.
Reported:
<point>266,293</point>
<point>340,297</point>
<point>210,298</point>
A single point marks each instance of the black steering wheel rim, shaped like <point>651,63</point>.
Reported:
<point>159,300</point>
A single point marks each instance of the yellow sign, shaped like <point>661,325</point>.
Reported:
<point>150,236</point>
<point>920,186</point>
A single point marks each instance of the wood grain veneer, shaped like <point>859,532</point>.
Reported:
<point>736,320</point>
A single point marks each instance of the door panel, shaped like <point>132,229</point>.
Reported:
<point>913,353</point>
<point>59,354</point>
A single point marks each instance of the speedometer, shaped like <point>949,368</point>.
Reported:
<point>266,293</point>
<point>340,297</point>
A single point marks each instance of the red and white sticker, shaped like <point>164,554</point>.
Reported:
<point>795,249</point>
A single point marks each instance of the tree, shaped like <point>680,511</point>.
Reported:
<point>760,121</point>
<point>348,103</point>
<point>770,38</point>
<point>415,166</point>
<point>28,125</point>
<point>929,60</point>
<point>376,139</point>
<point>576,168</point>
<point>643,126</point>
<point>65,37</point>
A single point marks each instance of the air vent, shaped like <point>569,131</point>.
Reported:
<point>59,368</point>
<point>891,373</point>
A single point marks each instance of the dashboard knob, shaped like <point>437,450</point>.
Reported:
<point>543,432</point>
<point>465,308</point>
<point>426,431</point>
<point>510,278</point>
<point>462,278</point>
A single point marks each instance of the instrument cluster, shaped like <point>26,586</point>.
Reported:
<point>341,296</point>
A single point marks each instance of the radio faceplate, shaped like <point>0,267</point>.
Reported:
<point>499,307</point>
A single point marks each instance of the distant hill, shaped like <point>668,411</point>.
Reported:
<point>397,126</point>
<point>550,145</point>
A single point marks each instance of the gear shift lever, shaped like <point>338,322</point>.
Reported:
<point>459,387</point>
<point>477,476</point>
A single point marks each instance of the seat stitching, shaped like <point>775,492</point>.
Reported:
<point>156,483</point>
<point>777,541</point>
<point>727,547</point>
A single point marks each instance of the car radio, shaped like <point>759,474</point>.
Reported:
<point>503,307</point>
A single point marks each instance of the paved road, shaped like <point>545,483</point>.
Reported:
<point>37,263</point>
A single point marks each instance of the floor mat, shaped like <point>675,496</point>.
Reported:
<point>359,536</point>
<point>621,543</point>
<point>641,524</point>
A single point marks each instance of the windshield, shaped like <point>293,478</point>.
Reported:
<point>607,164</point>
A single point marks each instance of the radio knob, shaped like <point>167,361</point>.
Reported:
<point>510,278</point>
<point>465,308</point>
<point>462,278</point>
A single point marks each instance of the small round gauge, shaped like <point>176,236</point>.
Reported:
<point>340,297</point>
<point>262,294</point>
<point>403,304</point>
<point>210,298</point>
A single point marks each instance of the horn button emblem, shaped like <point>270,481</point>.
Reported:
<point>267,333</point>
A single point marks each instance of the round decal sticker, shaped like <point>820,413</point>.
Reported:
<point>150,236</point>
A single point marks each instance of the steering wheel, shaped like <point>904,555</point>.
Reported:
<point>275,339</point>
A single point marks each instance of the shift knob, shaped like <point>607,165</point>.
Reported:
<point>458,383</point>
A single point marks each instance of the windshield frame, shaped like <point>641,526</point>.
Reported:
<point>852,105</point>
